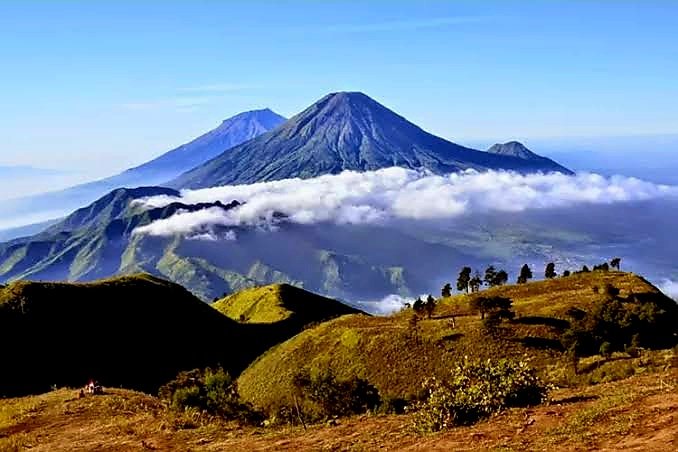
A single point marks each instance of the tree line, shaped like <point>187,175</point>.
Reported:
<point>470,282</point>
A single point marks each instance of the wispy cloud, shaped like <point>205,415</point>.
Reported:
<point>406,25</point>
<point>396,194</point>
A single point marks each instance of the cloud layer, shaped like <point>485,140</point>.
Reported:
<point>395,193</point>
<point>670,288</point>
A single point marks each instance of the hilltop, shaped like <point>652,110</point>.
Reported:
<point>346,131</point>
<point>280,302</point>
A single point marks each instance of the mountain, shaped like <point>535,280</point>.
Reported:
<point>137,331</point>
<point>346,131</point>
<point>231,132</point>
<point>346,261</point>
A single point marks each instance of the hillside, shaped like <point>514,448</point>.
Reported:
<point>346,131</point>
<point>231,132</point>
<point>134,331</point>
<point>280,302</point>
<point>637,413</point>
<point>396,356</point>
<point>122,331</point>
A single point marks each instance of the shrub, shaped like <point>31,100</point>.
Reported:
<point>330,397</point>
<point>475,390</point>
<point>212,391</point>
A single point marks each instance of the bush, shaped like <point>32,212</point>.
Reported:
<point>475,390</point>
<point>210,391</point>
<point>330,397</point>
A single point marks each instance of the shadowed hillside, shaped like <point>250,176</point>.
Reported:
<point>135,331</point>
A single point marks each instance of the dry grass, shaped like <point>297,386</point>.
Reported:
<point>637,413</point>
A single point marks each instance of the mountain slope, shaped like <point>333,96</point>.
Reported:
<point>231,132</point>
<point>345,131</point>
<point>279,302</point>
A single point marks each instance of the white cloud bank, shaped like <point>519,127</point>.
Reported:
<point>395,193</point>
<point>670,288</point>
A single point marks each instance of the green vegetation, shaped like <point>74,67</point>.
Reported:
<point>474,390</point>
<point>212,391</point>
<point>323,396</point>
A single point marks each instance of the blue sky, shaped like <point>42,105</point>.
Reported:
<point>98,86</point>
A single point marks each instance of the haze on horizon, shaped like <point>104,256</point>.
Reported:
<point>99,87</point>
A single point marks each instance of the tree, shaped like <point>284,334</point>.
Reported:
<point>525,274</point>
<point>464,279</point>
<point>550,271</point>
<point>490,276</point>
<point>616,263</point>
<point>446,291</point>
<point>604,267</point>
<point>497,307</point>
<point>418,305</point>
<point>501,278</point>
<point>566,273</point>
<point>430,305</point>
<point>475,282</point>
<point>585,269</point>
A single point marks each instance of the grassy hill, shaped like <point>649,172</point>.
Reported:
<point>136,331</point>
<point>396,355</point>
<point>133,331</point>
<point>280,302</point>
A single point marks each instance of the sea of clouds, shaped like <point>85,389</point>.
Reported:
<point>391,194</point>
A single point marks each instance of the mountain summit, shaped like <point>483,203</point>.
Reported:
<point>513,149</point>
<point>346,131</point>
<point>231,132</point>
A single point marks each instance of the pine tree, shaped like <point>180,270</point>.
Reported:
<point>525,274</point>
<point>464,279</point>
<point>490,275</point>
<point>446,291</point>
<point>550,271</point>
<point>475,282</point>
